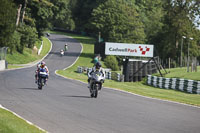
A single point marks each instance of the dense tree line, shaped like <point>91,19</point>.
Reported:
<point>159,22</point>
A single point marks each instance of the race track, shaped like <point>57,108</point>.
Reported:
<point>65,106</point>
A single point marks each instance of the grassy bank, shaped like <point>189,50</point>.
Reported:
<point>16,59</point>
<point>182,73</point>
<point>9,123</point>
<point>138,87</point>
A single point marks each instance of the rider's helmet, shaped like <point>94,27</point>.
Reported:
<point>42,64</point>
<point>98,65</point>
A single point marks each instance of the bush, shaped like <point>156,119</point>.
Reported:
<point>28,37</point>
<point>15,41</point>
<point>111,62</point>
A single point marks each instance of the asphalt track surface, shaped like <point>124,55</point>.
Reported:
<point>65,106</point>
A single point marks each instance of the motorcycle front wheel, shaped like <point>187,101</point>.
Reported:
<point>95,90</point>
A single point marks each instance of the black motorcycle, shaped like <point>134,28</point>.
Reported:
<point>42,76</point>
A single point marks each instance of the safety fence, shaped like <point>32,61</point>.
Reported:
<point>190,86</point>
<point>109,75</point>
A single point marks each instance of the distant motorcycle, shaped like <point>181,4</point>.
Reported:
<point>48,34</point>
<point>62,53</point>
<point>96,82</point>
<point>42,76</point>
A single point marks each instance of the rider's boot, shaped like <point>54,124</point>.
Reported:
<point>36,79</point>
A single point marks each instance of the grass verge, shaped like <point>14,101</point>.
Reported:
<point>17,60</point>
<point>182,73</point>
<point>134,87</point>
<point>9,123</point>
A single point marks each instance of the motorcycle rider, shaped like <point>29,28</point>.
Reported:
<point>41,65</point>
<point>62,52</point>
<point>66,47</point>
<point>97,67</point>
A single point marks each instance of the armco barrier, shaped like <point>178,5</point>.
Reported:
<point>190,86</point>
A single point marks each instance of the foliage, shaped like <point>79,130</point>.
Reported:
<point>81,12</point>
<point>7,22</point>
<point>152,15</point>
<point>15,41</point>
<point>28,37</point>
<point>178,22</point>
<point>111,62</point>
<point>162,23</point>
<point>118,22</point>
<point>41,12</point>
<point>62,17</point>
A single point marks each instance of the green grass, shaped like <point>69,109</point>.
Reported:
<point>9,123</point>
<point>182,73</point>
<point>16,59</point>
<point>135,87</point>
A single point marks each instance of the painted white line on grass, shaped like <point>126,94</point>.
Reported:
<point>23,118</point>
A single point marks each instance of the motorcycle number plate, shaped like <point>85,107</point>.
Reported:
<point>43,73</point>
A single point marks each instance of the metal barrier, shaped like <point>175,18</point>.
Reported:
<point>190,86</point>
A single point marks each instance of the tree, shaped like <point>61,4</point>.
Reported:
<point>152,15</point>
<point>118,21</point>
<point>7,22</point>
<point>111,62</point>
<point>81,12</point>
<point>178,21</point>
<point>41,12</point>
<point>62,16</point>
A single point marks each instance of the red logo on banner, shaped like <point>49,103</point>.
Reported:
<point>144,50</point>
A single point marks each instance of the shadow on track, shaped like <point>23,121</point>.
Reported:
<point>78,96</point>
<point>28,88</point>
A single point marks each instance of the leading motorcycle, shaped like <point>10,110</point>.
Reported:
<point>97,79</point>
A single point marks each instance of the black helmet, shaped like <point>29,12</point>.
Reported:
<point>98,65</point>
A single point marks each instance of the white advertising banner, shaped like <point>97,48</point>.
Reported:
<point>129,49</point>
